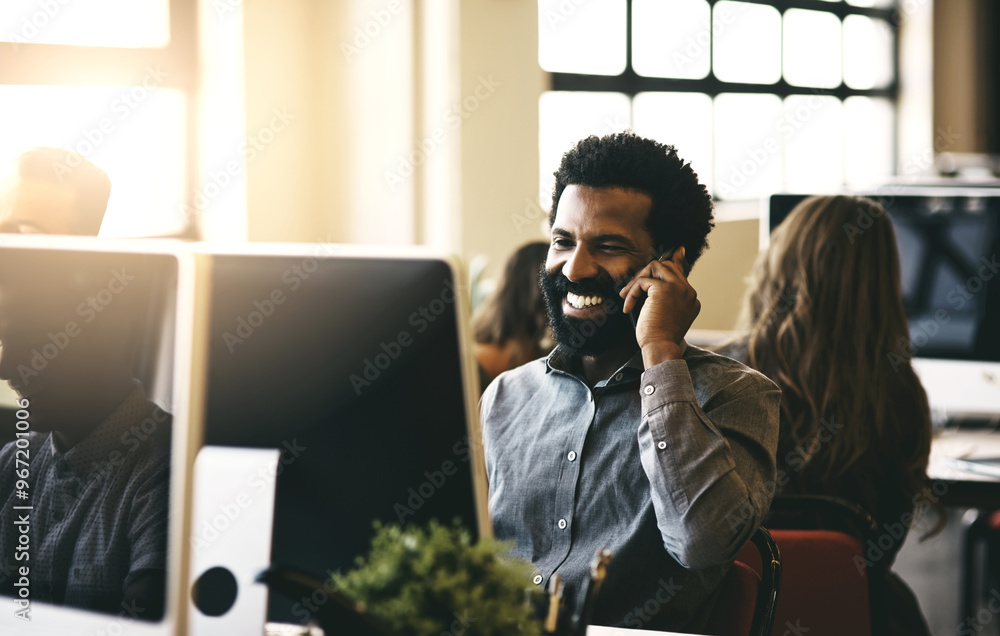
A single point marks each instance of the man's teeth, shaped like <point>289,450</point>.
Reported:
<point>583,301</point>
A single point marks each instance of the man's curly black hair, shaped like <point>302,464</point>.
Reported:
<point>682,207</point>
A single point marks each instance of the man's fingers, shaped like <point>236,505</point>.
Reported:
<point>635,290</point>
<point>664,269</point>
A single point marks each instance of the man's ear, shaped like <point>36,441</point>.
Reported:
<point>685,265</point>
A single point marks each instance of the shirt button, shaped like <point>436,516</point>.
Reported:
<point>571,456</point>
<point>618,376</point>
<point>562,524</point>
<point>537,580</point>
<point>661,445</point>
<point>648,390</point>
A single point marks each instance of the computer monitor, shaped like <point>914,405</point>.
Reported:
<point>355,366</point>
<point>95,337</point>
<point>949,249</point>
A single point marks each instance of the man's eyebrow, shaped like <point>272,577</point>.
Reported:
<point>600,238</point>
<point>614,238</point>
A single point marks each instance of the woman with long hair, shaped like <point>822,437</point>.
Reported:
<point>824,319</point>
<point>511,328</point>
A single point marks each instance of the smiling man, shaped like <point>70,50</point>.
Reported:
<point>625,437</point>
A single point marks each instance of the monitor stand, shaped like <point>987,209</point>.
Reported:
<point>233,519</point>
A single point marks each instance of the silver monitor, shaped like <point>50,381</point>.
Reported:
<point>96,343</point>
<point>354,365</point>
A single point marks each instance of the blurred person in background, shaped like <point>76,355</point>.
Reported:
<point>53,191</point>
<point>823,311</point>
<point>511,328</point>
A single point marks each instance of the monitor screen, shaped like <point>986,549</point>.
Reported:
<point>949,245</point>
<point>88,347</point>
<point>949,251</point>
<point>352,367</point>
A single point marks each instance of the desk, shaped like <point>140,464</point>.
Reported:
<point>965,489</point>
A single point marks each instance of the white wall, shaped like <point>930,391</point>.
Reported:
<point>415,122</point>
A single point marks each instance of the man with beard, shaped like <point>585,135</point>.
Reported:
<point>625,437</point>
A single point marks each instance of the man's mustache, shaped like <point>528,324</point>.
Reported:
<point>607,289</point>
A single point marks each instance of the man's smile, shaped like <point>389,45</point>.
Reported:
<point>583,301</point>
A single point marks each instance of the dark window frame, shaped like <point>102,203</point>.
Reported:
<point>631,83</point>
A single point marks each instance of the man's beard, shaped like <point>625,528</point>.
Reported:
<point>587,337</point>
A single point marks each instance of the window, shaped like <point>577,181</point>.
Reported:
<point>113,81</point>
<point>760,96</point>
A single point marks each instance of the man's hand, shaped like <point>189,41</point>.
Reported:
<point>671,306</point>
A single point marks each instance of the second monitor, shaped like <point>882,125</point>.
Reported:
<point>948,241</point>
<point>353,367</point>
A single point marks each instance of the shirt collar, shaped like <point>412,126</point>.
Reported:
<point>106,437</point>
<point>562,360</point>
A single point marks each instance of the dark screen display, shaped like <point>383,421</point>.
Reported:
<point>87,345</point>
<point>351,367</point>
<point>949,251</point>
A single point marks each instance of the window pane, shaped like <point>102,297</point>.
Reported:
<point>868,140</point>
<point>868,48</point>
<point>812,129</point>
<point>118,23</point>
<point>134,134</point>
<point>683,120</point>
<point>671,39</point>
<point>747,145</point>
<point>747,44</point>
<point>584,37</point>
<point>565,118</point>
<point>812,48</point>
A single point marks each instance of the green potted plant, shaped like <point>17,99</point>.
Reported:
<point>433,580</point>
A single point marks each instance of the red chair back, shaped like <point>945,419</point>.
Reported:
<point>748,596</point>
<point>737,604</point>
<point>826,584</point>
<point>829,586</point>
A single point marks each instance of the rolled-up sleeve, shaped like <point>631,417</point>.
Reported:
<point>709,456</point>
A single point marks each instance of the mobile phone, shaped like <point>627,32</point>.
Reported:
<point>665,256</point>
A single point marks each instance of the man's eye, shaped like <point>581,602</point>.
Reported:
<point>563,243</point>
<point>612,248</point>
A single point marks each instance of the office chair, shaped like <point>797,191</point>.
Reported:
<point>979,528</point>
<point>749,593</point>
<point>830,585</point>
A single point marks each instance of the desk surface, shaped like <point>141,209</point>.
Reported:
<point>964,488</point>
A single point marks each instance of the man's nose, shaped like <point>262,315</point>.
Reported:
<point>580,265</point>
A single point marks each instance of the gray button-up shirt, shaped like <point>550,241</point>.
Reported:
<point>671,468</point>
